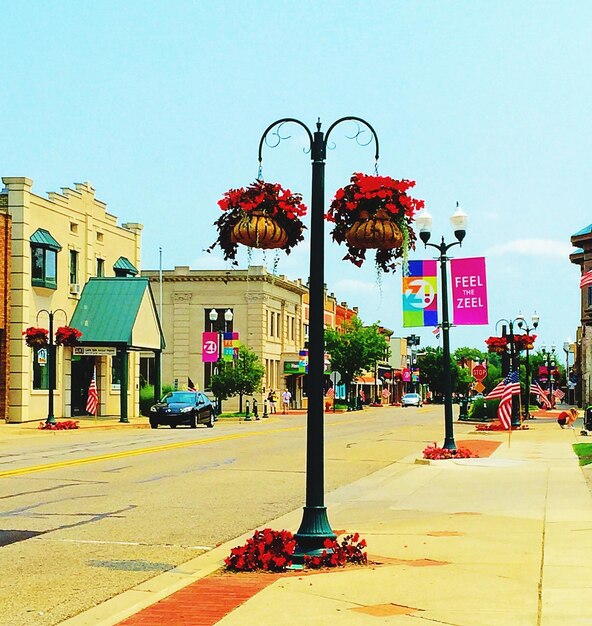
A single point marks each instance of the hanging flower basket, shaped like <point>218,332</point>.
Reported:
<point>262,215</point>
<point>67,336</point>
<point>524,342</point>
<point>375,212</point>
<point>36,337</point>
<point>496,344</point>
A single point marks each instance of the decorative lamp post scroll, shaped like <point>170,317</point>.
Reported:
<point>523,325</point>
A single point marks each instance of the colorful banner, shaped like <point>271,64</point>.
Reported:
<point>420,294</point>
<point>209,347</point>
<point>469,291</point>
<point>230,346</point>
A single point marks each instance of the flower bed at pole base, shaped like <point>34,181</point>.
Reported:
<point>272,551</point>
<point>498,426</point>
<point>435,453</point>
<point>65,425</point>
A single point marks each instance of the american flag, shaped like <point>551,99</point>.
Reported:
<point>330,393</point>
<point>540,392</point>
<point>558,393</point>
<point>436,332</point>
<point>92,402</point>
<point>586,279</point>
<point>496,392</point>
<point>511,388</point>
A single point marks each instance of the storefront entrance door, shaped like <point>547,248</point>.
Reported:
<point>82,371</point>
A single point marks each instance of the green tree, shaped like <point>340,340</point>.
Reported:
<point>431,365</point>
<point>355,348</point>
<point>463,355</point>
<point>240,377</point>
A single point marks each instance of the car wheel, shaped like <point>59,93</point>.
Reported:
<point>173,424</point>
<point>153,424</point>
<point>210,422</point>
<point>193,419</point>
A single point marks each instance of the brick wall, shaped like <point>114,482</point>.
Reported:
<point>5,266</point>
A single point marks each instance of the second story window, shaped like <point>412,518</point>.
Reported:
<point>100,267</point>
<point>123,268</point>
<point>73,267</point>
<point>44,250</point>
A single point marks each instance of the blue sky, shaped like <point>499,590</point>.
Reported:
<point>160,105</point>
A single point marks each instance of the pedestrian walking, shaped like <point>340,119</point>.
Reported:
<point>272,399</point>
<point>286,397</point>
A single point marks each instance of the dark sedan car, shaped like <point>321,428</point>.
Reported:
<point>183,407</point>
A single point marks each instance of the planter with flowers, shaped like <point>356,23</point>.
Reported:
<point>524,342</point>
<point>374,212</point>
<point>36,337</point>
<point>496,344</point>
<point>67,336</point>
<point>262,215</point>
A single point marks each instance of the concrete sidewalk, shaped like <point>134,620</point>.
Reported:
<point>505,540</point>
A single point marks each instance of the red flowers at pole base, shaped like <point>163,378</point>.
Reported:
<point>434,453</point>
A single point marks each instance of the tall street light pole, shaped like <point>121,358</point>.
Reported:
<point>514,364</point>
<point>549,360</point>
<point>228,317</point>
<point>315,528</point>
<point>523,325</point>
<point>567,350</point>
<point>51,362</point>
<point>459,225</point>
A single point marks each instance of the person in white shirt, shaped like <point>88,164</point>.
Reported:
<point>286,397</point>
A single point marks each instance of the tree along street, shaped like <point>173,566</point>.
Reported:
<point>92,514</point>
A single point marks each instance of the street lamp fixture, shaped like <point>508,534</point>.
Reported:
<point>523,325</point>
<point>459,225</point>
<point>228,317</point>
<point>315,529</point>
<point>51,362</point>
<point>549,361</point>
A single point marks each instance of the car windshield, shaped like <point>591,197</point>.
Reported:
<point>186,397</point>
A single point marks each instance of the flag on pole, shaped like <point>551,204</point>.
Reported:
<point>538,391</point>
<point>330,393</point>
<point>92,401</point>
<point>436,331</point>
<point>496,392</point>
<point>586,279</point>
<point>558,394</point>
<point>511,388</point>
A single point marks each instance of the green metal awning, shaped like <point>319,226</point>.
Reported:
<point>585,231</point>
<point>125,264</point>
<point>42,237</point>
<point>120,312</point>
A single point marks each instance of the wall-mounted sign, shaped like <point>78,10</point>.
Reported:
<point>93,351</point>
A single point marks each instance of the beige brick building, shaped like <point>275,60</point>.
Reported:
<point>58,243</point>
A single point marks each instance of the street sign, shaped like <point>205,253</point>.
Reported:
<point>94,351</point>
<point>479,387</point>
<point>479,372</point>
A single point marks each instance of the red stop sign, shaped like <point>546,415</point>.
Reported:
<point>479,372</point>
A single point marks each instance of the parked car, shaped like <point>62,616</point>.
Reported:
<point>411,399</point>
<point>183,407</point>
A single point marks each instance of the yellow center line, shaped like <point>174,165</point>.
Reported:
<point>169,446</point>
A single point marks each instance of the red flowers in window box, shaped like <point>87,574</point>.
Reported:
<point>36,337</point>
<point>374,212</point>
<point>262,215</point>
<point>67,336</point>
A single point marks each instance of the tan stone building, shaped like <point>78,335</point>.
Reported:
<point>267,313</point>
<point>58,243</point>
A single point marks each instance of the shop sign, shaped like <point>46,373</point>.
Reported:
<point>93,351</point>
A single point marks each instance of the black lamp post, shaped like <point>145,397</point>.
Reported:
<point>228,317</point>
<point>567,350</point>
<point>315,528</point>
<point>522,324</point>
<point>51,362</point>
<point>549,361</point>
<point>459,225</point>
<point>511,361</point>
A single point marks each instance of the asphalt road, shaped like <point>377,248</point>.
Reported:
<point>88,514</point>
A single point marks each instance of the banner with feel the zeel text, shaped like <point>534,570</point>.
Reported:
<point>469,291</point>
